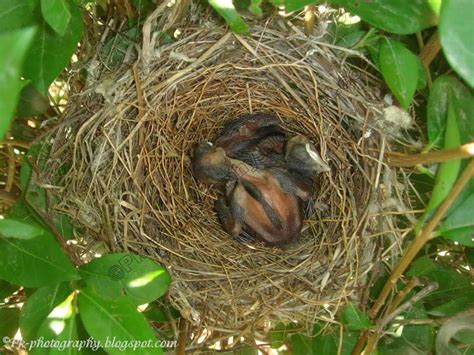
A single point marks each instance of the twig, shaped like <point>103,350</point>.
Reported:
<point>16,143</point>
<point>183,336</point>
<point>406,160</point>
<point>422,238</point>
<point>383,322</point>
<point>309,19</point>
<point>401,295</point>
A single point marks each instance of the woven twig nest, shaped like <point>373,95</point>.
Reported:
<point>130,182</point>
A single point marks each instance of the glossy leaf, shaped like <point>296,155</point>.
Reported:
<point>103,317</point>
<point>226,9</point>
<point>447,172</point>
<point>13,48</point>
<point>50,53</point>
<point>354,319</point>
<point>8,322</point>
<point>140,278</point>
<point>351,39</point>
<point>455,31</point>
<point>449,330</point>
<point>33,260</point>
<point>396,16</point>
<point>38,306</point>
<point>437,110</point>
<point>57,14</point>
<point>399,68</point>
<point>16,14</point>
<point>60,325</point>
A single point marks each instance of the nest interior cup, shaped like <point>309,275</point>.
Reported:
<point>126,143</point>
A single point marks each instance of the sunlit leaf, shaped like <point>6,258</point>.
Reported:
<point>396,16</point>
<point>399,68</point>
<point>60,325</point>
<point>57,14</point>
<point>140,278</point>
<point>103,317</point>
<point>226,9</point>
<point>38,306</point>
<point>13,48</point>
<point>455,30</point>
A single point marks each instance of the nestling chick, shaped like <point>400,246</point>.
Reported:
<point>301,157</point>
<point>263,200</point>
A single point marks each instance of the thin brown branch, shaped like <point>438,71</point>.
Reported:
<point>430,50</point>
<point>406,160</point>
<point>183,336</point>
<point>309,19</point>
<point>401,295</point>
<point>14,142</point>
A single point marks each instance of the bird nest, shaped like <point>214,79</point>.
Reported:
<point>126,142</point>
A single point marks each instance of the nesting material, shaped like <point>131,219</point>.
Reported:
<point>126,144</point>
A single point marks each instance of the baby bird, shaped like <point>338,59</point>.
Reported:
<point>255,139</point>
<point>302,158</point>
<point>261,200</point>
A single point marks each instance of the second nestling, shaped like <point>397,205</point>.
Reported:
<point>267,179</point>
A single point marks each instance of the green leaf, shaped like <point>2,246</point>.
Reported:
<point>10,228</point>
<point>459,225</point>
<point>414,339</point>
<point>255,7</point>
<point>13,48</point>
<point>421,76</point>
<point>33,261</point>
<point>226,9</point>
<point>161,313</point>
<point>399,68</point>
<point>455,31</point>
<point>16,14</point>
<point>57,14</point>
<point>396,16</point>
<point>8,322</point>
<point>38,306</point>
<point>447,172</point>
<point>351,39</point>
<point>437,110</point>
<point>50,53</point>
<point>103,317</point>
<point>301,344</point>
<point>140,278</point>
<point>295,5</point>
<point>60,326</point>
<point>449,330</point>
<point>280,333</point>
<point>451,284</point>
<point>454,306</point>
<point>354,319</point>
<point>6,290</point>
